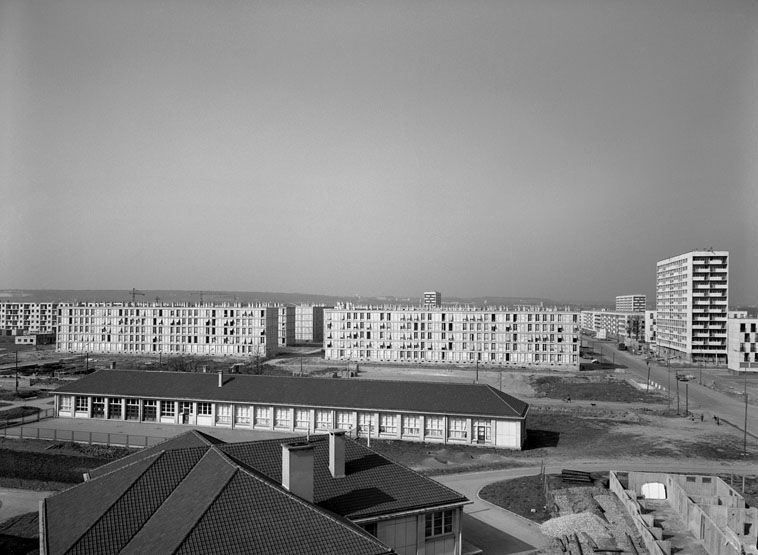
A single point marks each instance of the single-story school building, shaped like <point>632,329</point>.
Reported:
<point>468,414</point>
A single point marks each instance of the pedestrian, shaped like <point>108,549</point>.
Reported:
<point>568,399</point>
<point>701,417</point>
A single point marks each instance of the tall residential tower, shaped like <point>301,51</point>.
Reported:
<point>692,299</point>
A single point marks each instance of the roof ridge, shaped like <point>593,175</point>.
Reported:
<point>312,506</point>
<point>498,395</point>
<point>155,456</point>
<point>214,449</point>
<point>401,465</point>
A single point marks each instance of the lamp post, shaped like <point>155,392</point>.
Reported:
<point>744,436</point>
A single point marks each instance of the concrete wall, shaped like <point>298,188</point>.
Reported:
<point>651,535</point>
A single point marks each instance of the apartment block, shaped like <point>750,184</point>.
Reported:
<point>692,297</point>
<point>631,303</point>
<point>20,318</point>
<point>286,324</point>
<point>309,323</point>
<point>622,326</point>
<point>651,327</point>
<point>432,298</point>
<point>521,336</point>
<point>233,329</point>
<point>742,345</point>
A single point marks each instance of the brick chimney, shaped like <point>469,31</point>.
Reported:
<point>221,379</point>
<point>337,453</point>
<point>297,469</point>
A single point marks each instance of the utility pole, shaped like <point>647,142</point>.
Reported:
<point>501,379</point>
<point>668,371</point>
<point>477,372</point>
<point>301,365</point>
<point>648,376</point>
<point>744,437</point>
<point>677,392</point>
<point>16,370</point>
<point>687,398</point>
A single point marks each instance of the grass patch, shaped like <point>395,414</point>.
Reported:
<point>589,388</point>
<point>17,412</point>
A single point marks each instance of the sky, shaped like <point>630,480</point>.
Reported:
<point>535,148</point>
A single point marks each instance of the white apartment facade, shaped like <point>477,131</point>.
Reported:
<point>631,303</point>
<point>223,329</point>
<point>742,345</point>
<point>28,317</point>
<point>432,298</point>
<point>692,299</point>
<point>309,323</point>
<point>522,336</point>
<point>622,326</point>
<point>286,324</point>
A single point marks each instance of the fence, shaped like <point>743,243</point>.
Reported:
<point>109,439</point>
<point>7,422</point>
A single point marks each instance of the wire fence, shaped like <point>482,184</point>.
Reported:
<point>19,419</point>
<point>110,439</point>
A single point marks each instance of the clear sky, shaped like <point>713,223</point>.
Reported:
<point>552,148</point>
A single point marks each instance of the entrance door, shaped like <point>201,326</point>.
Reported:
<point>185,409</point>
<point>481,434</point>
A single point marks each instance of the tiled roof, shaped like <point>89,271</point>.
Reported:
<point>373,485</point>
<point>194,500</point>
<point>421,397</point>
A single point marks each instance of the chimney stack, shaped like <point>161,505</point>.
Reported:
<point>220,379</point>
<point>337,453</point>
<point>297,469</point>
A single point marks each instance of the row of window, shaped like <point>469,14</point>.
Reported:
<point>282,417</point>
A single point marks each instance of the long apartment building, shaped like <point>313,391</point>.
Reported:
<point>692,299</point>
<point>521,336</point>
<point>286,325</point>
<point>235,329</point>
<point>631,303</point>
<point>621,326</point>
<point>23,318</point>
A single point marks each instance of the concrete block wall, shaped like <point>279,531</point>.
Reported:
<point>644,523</point>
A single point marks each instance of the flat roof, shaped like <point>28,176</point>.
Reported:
<point>339,393</point>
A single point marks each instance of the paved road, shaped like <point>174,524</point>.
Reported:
<point>701,398</point>
<point>14,502</point>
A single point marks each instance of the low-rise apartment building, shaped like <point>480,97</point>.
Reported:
<point>463,414</point>
<point>742,347</point>
<point>650,327</point>
<point>28,318</point>
<point>521,336</point>
<point>309,323</point>
<point>631,303</point>
<point>621,326</point>
<point>233,329</point>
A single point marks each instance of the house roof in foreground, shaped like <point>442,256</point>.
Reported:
<point>406,396</point>
<point>196,494</point>
<point>194,500</point>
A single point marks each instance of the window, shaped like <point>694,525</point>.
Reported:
<point>168,409</point>
<point>388,424</point>
<point>82,404</point>
<point>366,422</point>
<point>242,414</point>
<point>434,426</point>
<point>458,428</point>
<point>98,407</point>
<point>410,426</point>
<point>344,420</point>
<point>282,417</point>
<point>149,411</point>
<point>204,409</point>
<point>223,413</point>
<point>302,418</point>
<point>262,416</point>
<point>324,420</point>
<point>66,403</point>
<point>370,527</point>
<point>483,431</point>
<point>439,523</point>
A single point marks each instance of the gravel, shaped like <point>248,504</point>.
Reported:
<point>579,522</point>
